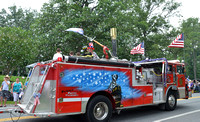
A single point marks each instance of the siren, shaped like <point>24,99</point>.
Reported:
<point>59,59</point>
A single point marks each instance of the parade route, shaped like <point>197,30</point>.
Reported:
<point>185,108</point>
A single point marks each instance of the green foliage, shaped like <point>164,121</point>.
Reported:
<point>13,79</point>
<point>17,18</point>
<point>17,49</point>
<point>152,21</point>
<point>16,39</point>
<point>191,28</point>
<point>135,20</point>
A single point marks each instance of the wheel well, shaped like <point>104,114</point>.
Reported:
<point>175,91</point>
<point>106,94</point>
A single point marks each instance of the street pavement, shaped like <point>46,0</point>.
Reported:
<point>187,110</point>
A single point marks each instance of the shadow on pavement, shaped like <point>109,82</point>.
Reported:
<point>72,118</point>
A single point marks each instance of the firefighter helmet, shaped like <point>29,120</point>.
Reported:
<point>84,47</point>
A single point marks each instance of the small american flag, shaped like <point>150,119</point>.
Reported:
<point>138,49</point>
<point>76,30</point>
<point>178,42</point>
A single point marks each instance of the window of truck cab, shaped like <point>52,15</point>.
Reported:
<point>180,69</point>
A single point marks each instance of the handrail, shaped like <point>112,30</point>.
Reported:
<point>37,87</point>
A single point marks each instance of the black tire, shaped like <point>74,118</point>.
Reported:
<point>171,101</point>
<point>99,109</point>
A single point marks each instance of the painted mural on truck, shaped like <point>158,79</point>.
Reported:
<point>92,80</point>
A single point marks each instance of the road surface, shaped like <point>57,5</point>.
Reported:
<point>187,110</point>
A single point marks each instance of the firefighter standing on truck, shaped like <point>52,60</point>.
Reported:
<point>89,51</point>
<point>85,52</point>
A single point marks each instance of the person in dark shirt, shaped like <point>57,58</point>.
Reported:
<point>85,52</point>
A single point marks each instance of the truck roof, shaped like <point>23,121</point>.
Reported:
<point>156,61</point>
<point>105,62</point>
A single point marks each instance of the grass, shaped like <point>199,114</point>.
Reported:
<point>12,79</point>
<point>9,102</point>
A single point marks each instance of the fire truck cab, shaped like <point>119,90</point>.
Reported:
<point>166,78</point>
<point>96,88</point>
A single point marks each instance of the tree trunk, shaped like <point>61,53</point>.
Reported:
<point>194,64</point>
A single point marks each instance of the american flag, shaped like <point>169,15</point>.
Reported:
<point>76,30</point>
<point>138,49</point>
<point>178,42</point>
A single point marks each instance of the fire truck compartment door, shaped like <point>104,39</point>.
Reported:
<point>68,98</point>
<point>148,95</point>
<point>158,95</point>
<point>181,85</point>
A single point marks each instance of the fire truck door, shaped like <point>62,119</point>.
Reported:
<point>181,81</point>
<point>68,96</point>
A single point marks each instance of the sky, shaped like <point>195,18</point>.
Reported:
<point>189,8</point>
<point>25,4</point>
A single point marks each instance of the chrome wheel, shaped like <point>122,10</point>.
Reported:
<point>100,111</point>
<point>171,100</point>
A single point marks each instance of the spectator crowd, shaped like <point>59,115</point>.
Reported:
<point>194,86</point>
<point>15,93</point>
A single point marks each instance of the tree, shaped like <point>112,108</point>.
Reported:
<point>191,28</point>
<point>11,22</point>
<point>17,49</point>
<point>17,17</point>
<point>56,17</point>
<point>135,20</point>
<point>152,21</point>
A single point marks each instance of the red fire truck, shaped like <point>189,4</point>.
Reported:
<point>96,88</point>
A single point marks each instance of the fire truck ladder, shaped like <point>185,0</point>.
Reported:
<point>29,73</point>
<point>28,77</point>
<point>39,86</point>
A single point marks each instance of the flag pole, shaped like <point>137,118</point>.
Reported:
<point>80,31</point>
<point>184,57</point>
<point>184,61</point>
<point>144,51</point>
